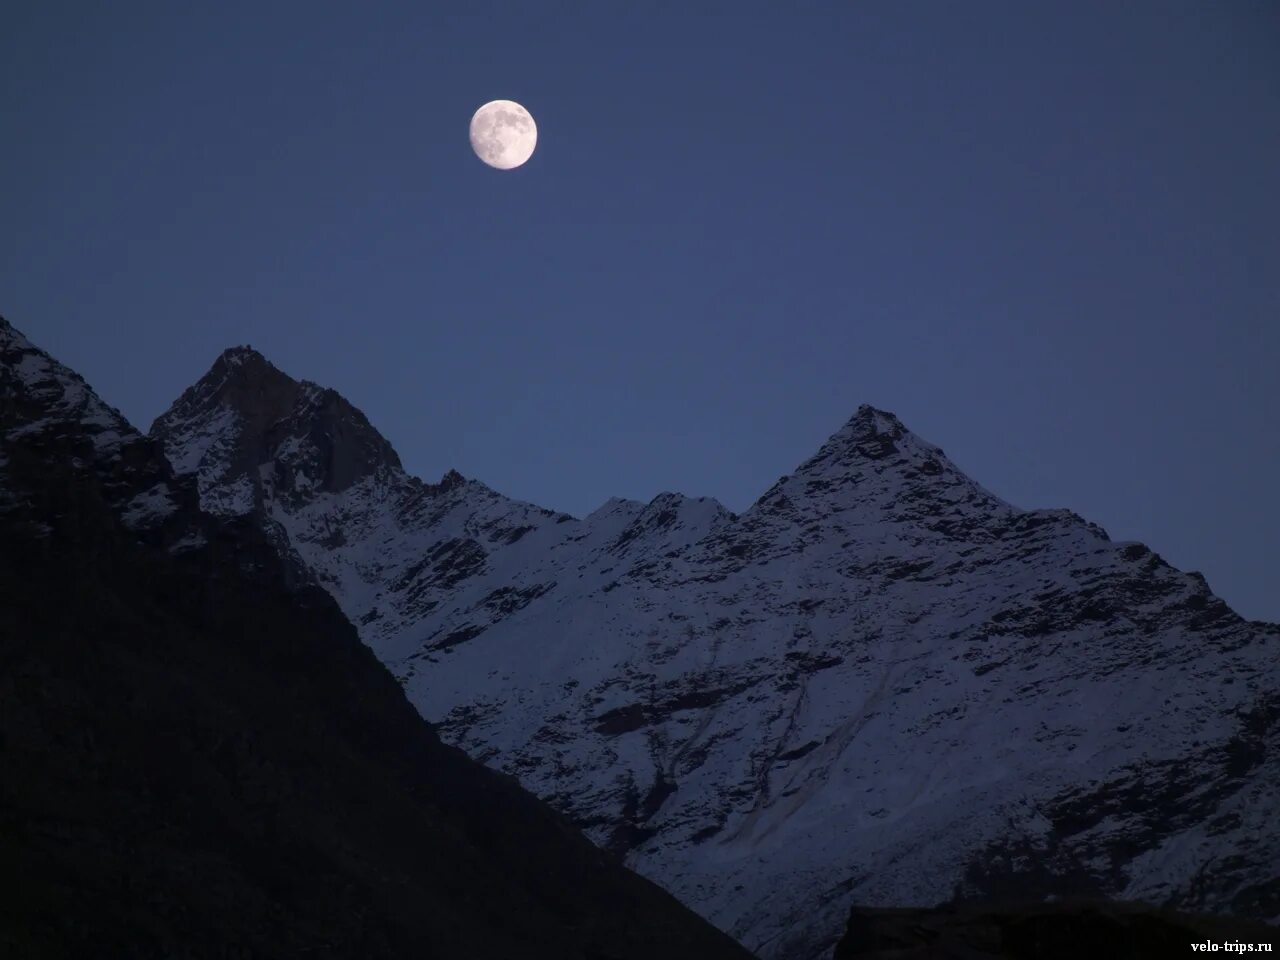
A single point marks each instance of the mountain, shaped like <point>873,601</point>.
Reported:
<point>879,685</point>
<point>200,759</point>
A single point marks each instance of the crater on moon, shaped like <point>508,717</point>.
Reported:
<point>503,134</point>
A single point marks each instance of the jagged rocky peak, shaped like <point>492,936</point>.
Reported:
<point>245,413</point>
<point>47,411</point>
<point>450,481</point>
<point>676,510</point>
<point>40,395</point>
<point>243,380</point>
<point>672,519</point>
<point>877,468</point>
<point>873,435</point>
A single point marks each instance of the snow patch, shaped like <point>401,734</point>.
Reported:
<point>192,541</point>
<point>149,508</point>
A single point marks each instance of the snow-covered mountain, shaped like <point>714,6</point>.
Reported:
<point>880,684</point>
<point>200,759</point>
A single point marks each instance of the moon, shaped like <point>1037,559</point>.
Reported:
<point>503,134</point>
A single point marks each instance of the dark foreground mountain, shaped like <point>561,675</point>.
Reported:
<point>198,757</point>
<point>881,684</point>
<point>1044,931</point>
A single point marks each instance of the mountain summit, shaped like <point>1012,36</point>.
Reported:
<point>881,684</point>
<point>245,413</point>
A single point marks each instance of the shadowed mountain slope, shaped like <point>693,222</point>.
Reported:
<point>198,758</point>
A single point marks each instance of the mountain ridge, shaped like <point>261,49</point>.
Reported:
<point>880,683</point>
<point>199,758</point>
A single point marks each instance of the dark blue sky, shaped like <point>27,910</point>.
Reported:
<point>1044,234</point>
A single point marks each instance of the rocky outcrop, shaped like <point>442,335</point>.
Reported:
<point>246,414</point>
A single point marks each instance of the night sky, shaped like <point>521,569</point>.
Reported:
<point>1046,235</point>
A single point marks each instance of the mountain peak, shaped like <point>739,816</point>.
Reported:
<point>873,463</point>
<point>871,435</point>
<point>243,356</point>
<point>42,395</point>
<point>244,366</point>
<point>241,351</point>
<point>867,414</point>
<point>241,380</point>
<point>245,412</point>
<point>868,422</point>
<point>449,481</point>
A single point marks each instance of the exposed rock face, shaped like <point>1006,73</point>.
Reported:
<point>880,684</point>
<point>245,414</point>
<point>1045,931</point>
<point>198,758</point>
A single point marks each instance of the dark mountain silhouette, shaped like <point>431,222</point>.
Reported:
<point>199,759</point>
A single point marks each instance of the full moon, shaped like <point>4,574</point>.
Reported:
<point>503,134</point>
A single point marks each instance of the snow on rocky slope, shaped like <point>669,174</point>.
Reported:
<point>199,758</point>
<point>45,403</point>
<point>880,684</point>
